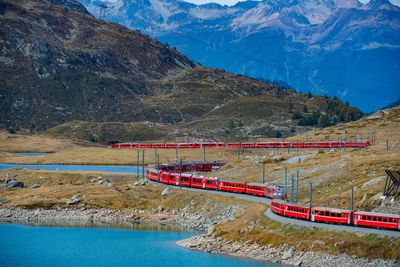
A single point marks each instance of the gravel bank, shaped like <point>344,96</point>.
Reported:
<point>283,254</point>
<point>200,220</point>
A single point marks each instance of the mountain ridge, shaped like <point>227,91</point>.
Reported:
<point>307,44</point>
<point>63,69</point>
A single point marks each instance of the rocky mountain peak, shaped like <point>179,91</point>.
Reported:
<point>379,4</point>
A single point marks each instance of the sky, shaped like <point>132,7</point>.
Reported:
<point>232,2</point>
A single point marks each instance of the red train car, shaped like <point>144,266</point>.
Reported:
<point>186,179</point>
<point>278,206</point>
<point>256,189</point>
<point>377,220</point>
<point>164,177</point>
<point>170,145</point>
<point>198,181</point>
<point>174,178</point>
<point>232,144</point>
<point>296,211</point>
<point>184,145</point>
<point>159,145</point>
<point>152,174</point>
<point>331,215</point>
<point>248,145</point>
<point>229,186</point>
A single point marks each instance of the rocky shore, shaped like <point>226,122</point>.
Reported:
<point>187,217</point>
<point>283,254</point>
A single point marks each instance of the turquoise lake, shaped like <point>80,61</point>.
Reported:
<point>59,167</point>
<point>23,245</point>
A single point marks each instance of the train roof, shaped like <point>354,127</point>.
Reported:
<point>229,181</point>
<point>257,184</point>
<point>377,214</point>
<point>281,201</point>
<point>332,209</point>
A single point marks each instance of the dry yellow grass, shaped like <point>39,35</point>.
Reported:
<point>57,187</point>
<point>33,143</point>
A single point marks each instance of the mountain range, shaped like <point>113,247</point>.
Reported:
<point>335,47</point>
<point>65,72</point>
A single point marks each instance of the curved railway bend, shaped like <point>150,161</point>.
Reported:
<point>268,213</point>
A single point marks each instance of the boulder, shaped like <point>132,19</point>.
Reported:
<point>14,184</point>
<point>287,254</point>
<point>11,182</point>
<point>75,199</point>
<point>166,192</point>
<point>102,181</point>
<point>35,186</point>
<point>160,209</point>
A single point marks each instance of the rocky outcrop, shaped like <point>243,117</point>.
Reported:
<point>11,182</point>
<point>282,254</point>
<point>75,199</point>
<point>102,181</point>
<point>167,191</point>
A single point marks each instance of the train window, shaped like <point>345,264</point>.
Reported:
<point>209,182</point>
<point>171,177</point>
<point>321,213</point>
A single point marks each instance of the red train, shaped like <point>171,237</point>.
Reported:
<point>334,144</point>
<point>336,216</point>
<point>176,173</point>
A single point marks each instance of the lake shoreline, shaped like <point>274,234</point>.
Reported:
<point>206,242</point>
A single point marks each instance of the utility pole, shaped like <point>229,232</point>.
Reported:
<point>103,10</point>
<point>137,164</point>
<point>310,194</point>
<point>286,181</point>
<point>263,172</point>
<point>155,156</point>
<point>143,164</point>
<point>297,187</point>
<point>352,198</point>
<point>204,153</point>
<point>180,174</point>
<point>158,167</point>
<point>176,152</point>
<point>238,152</point>
<point>292,195</point>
